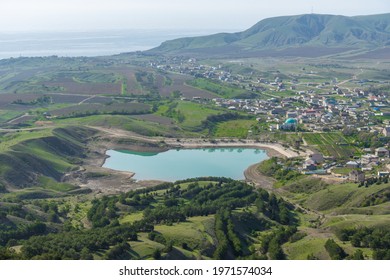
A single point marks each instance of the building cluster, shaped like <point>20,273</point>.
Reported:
<point>371,162</point>
<point>315,106</point>
<point>292,105</point>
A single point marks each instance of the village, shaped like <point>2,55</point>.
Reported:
<point>352,106</point>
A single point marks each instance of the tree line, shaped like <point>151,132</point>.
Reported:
<point>378,239</point>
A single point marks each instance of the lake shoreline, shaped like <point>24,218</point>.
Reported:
<point>183,163</point>
<point>161,144</point>
<point>272,150</point>
<point>116,139</point>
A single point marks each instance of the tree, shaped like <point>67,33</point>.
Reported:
<point>118,252</point>
<point>85,254</point>
<point>275,250</point>
<point>334,250</point>
<point>358,255</point>
<point>184,245</point>
<point>7,254</point>
<point>168,247</point>
<point>311,257</point>
<point>156,254</point>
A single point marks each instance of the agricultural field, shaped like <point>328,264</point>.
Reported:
<point>129,81</point>
<point>8,101</point>
<point>130,85</point>
<point>48,80</point>
<point>7,115</point>
<point>234,128</point>
<point>90,83</point>
<point>191,114</point>
<point>141,82</point>
<point>86,88</point>
<point>183,85</point>
<point>331,144</point>
<point>221,90</point>
<point>98,109</point>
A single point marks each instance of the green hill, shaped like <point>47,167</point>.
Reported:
<point>311,30</point>
<point>51,155</point>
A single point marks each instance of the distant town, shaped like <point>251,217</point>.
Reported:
<point>316,107</point>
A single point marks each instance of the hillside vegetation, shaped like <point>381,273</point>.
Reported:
<point>310,30</point>
<point>197,218</point>
<point>60,151</point>
<point>335,212</point>
<point>58,116</point>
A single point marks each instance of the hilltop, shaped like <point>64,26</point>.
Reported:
<point>300,35</point>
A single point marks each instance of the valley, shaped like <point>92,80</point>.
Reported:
<point>321,113</point>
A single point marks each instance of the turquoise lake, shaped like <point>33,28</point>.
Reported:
<point>181,164</point>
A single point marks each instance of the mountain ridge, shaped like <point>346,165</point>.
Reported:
<point>307,30</point>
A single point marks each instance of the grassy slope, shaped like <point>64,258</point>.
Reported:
<point>128,123</point>
<point>334,207</point>
<point>194,114</point>
<point>345,198</point>
<point>235,128</point>
<point>194,232</point>
<point>308,245</point>
<point>28,155</point>
<point>144,247</point>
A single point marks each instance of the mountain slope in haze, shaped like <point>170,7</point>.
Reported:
<point>310,30</point>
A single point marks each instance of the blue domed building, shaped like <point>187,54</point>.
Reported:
<point>289,124</point>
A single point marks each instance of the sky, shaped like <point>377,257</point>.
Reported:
<point>229,15</point>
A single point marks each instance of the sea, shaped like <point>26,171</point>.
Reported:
<point>87,43</point>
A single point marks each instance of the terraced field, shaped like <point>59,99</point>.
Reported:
<point>331,144</point>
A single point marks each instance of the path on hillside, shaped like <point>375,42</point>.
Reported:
<point>17,118</point>
<point>86,99</point>
<point>253,176</point>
